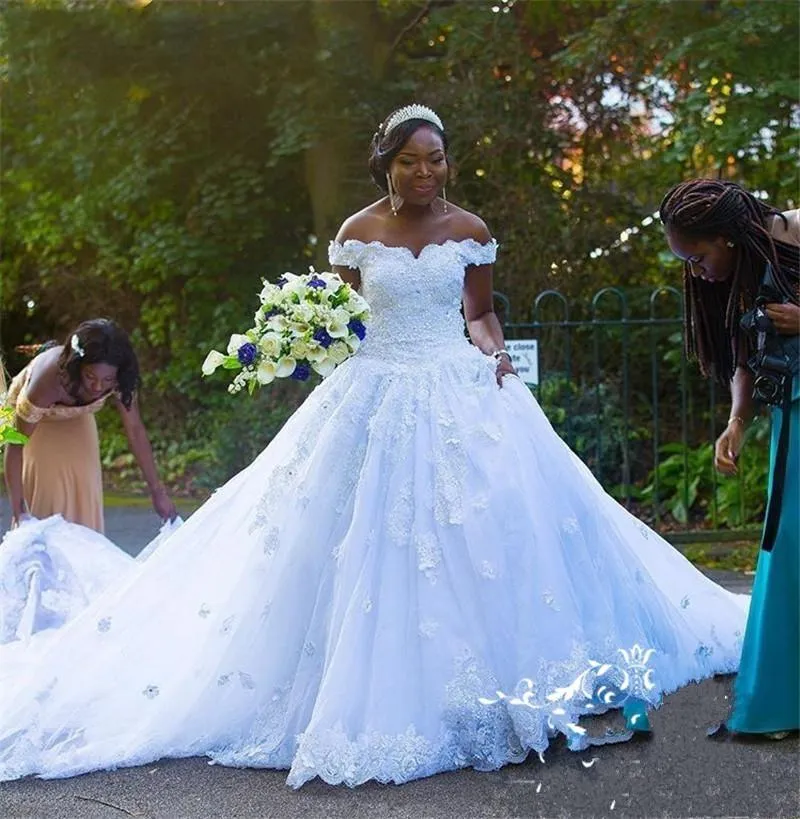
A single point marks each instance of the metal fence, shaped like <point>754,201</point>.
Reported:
<point>615,383</point>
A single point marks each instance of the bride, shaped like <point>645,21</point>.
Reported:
<point>413,541</point>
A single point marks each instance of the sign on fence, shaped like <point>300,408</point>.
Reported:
<point>525,358</point>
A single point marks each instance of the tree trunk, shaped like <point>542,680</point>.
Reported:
<point>338,157</point>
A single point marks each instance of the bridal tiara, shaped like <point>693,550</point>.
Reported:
<point>414,111</point>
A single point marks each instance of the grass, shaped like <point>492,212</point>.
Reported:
<point>118,500</point>
<point>734,557</point>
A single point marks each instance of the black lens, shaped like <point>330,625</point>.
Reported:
<point>766,389</point>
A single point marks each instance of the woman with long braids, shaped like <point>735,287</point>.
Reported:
<point>741,260</point>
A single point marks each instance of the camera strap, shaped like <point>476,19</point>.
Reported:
<point>773,514</point>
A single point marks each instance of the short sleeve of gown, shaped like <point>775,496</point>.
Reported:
<point>473,252</point>
<point>345,254</point>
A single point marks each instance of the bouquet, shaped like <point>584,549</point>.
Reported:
<point>310,322</point>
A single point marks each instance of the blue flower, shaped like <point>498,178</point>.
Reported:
<point>302,371</point>
<point>281,281</point>
<point>322,337</point>
<point>247,354</point>
<point>317,283</point>
<point>273,311</point>
<point>356,326</point>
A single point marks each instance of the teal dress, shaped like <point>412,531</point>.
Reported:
<point>767,688</point>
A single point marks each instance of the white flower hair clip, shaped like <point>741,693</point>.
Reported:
<point>75,344</point>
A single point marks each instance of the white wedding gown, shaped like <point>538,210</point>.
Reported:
<point>411,542</point>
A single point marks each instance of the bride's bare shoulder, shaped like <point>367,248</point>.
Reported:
<point>365,225</point>
<point>467,225</point>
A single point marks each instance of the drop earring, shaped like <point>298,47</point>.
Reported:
<point>444,198</point>
<point>395,201</point>
<point>730,244</point>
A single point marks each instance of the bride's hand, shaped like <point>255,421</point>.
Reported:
<point>504,367</point>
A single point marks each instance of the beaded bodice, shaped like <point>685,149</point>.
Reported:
<point>415,300</point>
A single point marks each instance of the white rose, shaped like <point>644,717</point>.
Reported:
<point>270,344</point>
<point>300,348</point>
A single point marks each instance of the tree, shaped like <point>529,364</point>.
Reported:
<point>159,160</point>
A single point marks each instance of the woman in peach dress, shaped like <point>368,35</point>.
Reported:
<point>55,398</point>
<point>51,565</point>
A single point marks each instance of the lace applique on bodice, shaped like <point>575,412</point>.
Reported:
<point>415,300</point>
<point>23,407</point>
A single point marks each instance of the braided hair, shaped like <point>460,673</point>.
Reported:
<point>709,209</point>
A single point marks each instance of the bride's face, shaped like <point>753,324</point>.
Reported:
<point>419,171</point>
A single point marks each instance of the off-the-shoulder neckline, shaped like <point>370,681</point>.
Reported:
<point>23,393</point>
<point>491,243</point>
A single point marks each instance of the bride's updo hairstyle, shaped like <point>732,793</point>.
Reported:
<point>392,135</point>
<point>101,341</point>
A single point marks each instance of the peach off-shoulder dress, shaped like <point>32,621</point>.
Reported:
<point>61,471</point>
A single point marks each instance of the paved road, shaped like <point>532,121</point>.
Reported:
<point>677,773</point>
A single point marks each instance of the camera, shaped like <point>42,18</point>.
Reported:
<point>771,381</point>
<point>771,365</point>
